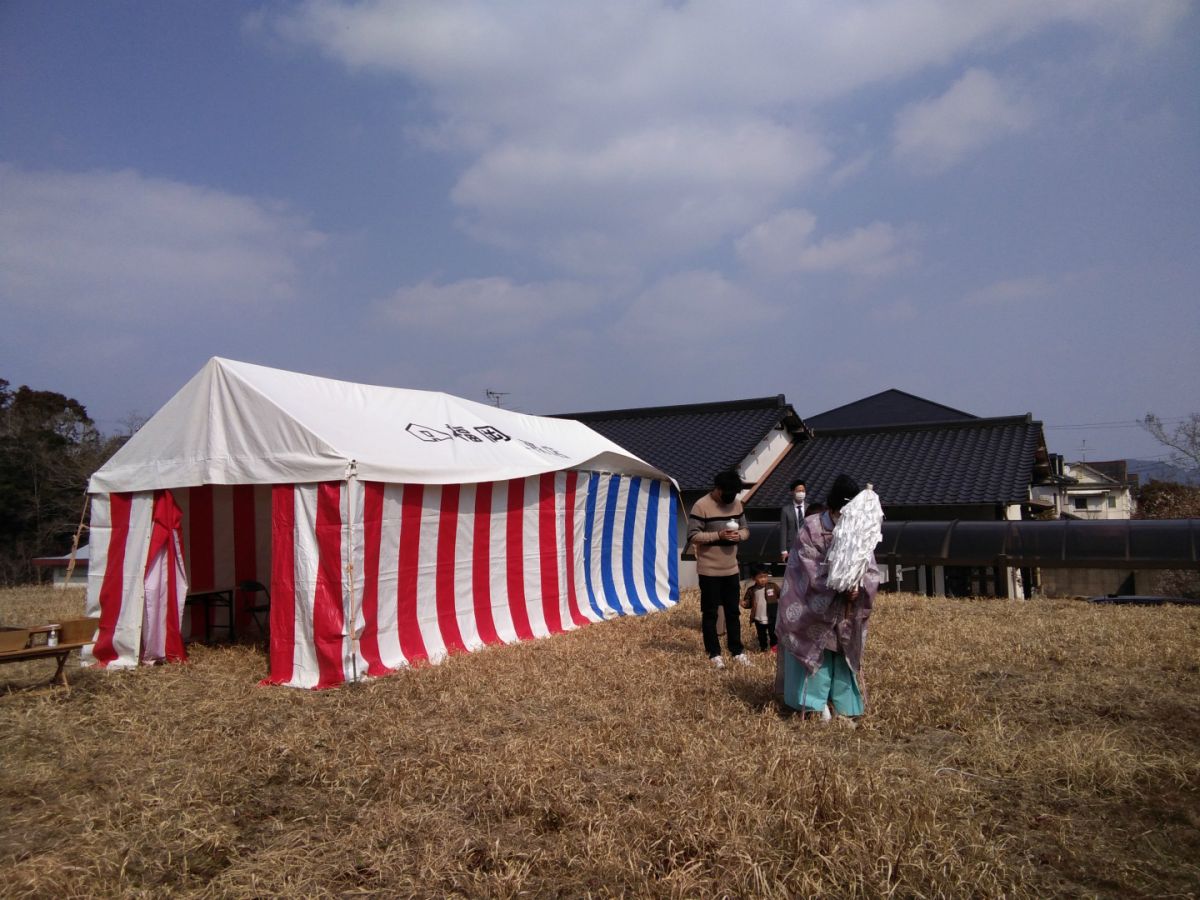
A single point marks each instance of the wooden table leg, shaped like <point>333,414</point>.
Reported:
<point>60,677</point>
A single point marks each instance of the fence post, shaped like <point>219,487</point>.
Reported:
<point>1002,576</point>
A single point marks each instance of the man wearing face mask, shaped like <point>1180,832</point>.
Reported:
<point>716,525</point>
<point>791,518</point>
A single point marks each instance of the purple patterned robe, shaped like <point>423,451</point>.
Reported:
<point>810,613</point>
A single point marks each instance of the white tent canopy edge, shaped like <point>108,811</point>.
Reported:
<point>239,423</point>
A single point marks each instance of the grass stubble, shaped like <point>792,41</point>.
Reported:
<point>1010,750</point>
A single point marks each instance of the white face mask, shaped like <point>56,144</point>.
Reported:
<point>799,496</point>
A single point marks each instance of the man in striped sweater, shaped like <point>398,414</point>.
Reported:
<point>716,525</point>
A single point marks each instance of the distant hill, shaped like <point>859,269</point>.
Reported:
<point>1154,470</point>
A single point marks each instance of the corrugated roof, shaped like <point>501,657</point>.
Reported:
<point>969,461</point>
<point>890,407</point>
<point>692,442</point>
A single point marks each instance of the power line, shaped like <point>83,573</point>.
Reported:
<point>1122,424</point>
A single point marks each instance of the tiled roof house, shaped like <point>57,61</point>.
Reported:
<point>970,468</point>
<point>890,407</point>
<point>693,442</point>
<point>925,460</point>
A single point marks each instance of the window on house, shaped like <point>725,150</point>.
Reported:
<point>1112,502</point>
<point>1081,502</point>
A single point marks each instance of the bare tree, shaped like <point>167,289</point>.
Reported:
<point>1184,440</point>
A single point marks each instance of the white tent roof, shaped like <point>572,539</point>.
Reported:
<point>237,423</point>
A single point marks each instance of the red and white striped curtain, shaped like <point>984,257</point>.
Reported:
<point>439,569</point>
<point>367,578</point>
<point>137,584</point>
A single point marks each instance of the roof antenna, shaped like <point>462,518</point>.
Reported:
<point>495,396</point>
<point>1083,450</point>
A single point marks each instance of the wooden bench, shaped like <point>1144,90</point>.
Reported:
<point>20,644</point>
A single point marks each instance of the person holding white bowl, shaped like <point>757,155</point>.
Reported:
<point>716,525</point>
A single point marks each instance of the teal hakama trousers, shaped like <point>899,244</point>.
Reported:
<point>833,683</point>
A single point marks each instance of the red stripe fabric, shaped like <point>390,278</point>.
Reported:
<point>372,534</point>
<point>447,607</point>
<point>200,531</point>
<point>283,583</point>
<point>569,537</point>
<point>114,577</point>
<point>548,553</point>
<point>515,571</point>
<point>412,645</point>
<point>167,511</point>
<point>175,651</point>
<point>481,559</point>
<point>329,620</point>
<point>244,550</point>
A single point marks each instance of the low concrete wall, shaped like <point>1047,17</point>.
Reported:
<point>1092,582</point>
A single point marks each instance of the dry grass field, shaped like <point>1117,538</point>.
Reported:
<point>1009,750</point>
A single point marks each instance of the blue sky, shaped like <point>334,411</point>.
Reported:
<point>995,205</point>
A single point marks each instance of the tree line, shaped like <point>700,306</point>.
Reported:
<point>49,447</point>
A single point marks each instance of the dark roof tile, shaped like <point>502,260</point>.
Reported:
<point>693,442</point>
<point>890,407</point>
<point>970,461</point>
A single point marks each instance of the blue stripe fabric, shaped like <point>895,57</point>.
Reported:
<point>590,517</point>
<point>624,518</point>
<point>650,545</point>
<point>627,545</point>
<point>606,545</point>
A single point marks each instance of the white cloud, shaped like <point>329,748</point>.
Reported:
<point>650,194</point>
<point>487,307</point>
<point>783,245</point>
<point>120,244</point>
<point>604,137</point>
<point>774,246</point>
<point>694,308</point>
<point>521,63</point>
<point>935,134</point>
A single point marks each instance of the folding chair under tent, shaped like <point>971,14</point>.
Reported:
<point>391,525</point>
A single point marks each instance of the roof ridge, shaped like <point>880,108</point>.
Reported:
<point>776,401</point>
<point>1025,419</point>
<point>861,400</point>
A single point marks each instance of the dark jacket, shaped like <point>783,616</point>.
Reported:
<point>787,527</point>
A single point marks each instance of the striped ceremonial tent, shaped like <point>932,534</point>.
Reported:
<point>392,526</point>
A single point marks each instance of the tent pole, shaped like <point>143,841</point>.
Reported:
<point>351,485</point>
<point>87,498</point>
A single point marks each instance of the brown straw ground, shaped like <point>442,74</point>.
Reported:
<point>1010,750</point>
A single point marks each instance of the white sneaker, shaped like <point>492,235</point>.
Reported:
<point>717,662</point>
<point>826,715</point>
<point>743,660</point>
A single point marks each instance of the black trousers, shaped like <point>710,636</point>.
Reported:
<point>766,633</point>
<point>720,592</point>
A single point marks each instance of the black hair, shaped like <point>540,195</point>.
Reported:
<point>843,491</point>
<point>728,480</point>
<point>798,482</point>
<point>760,569</point>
